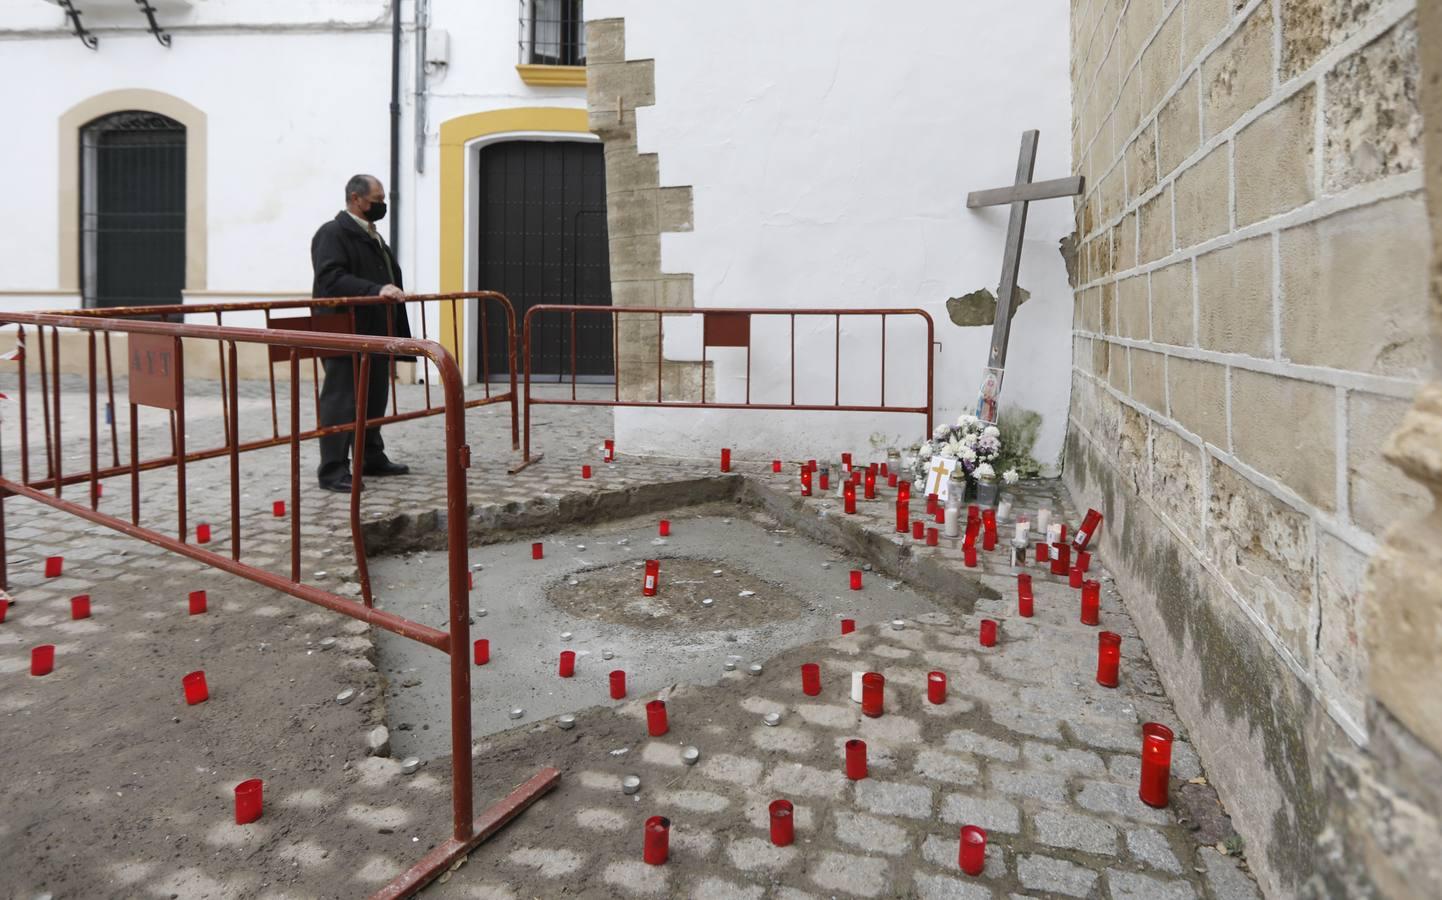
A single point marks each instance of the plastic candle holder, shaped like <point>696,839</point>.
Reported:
<point>1109,658</point>
<point>869,487</point>
<point>54,565</point>
<point>610,454</point>
<point>80,606</point>
<point>1075,577</point>
<point>932,537</point>
<point>197,603</point>
<point>1060,558</point>
<point>847,626</point>
<point>4,608</point>
<point>776,465</point>
<point>567,666</point>
<point>873,694</point>
<point>806,482</point>
<point>903,490</point>
<point>849,497</point>
<point>1061,534</point>
<point>846,461</point>
<point>988,540</point>
<point>482,651</point>
<point>249,797</point>
<point>903,516</point>
<point>1156,764</point>
<point>988,632</point>
<point>664,529</point>
<point>811,676</point>
<point>936,687</point>
<point>825,479</point>
<point>656,724</point>
<point>856,579</point>
<point>973,512</point>
<point>1043,552</point>
<point>658,841</point>
<point>1088,528</point>
<point>891,479</point>
<point>196,690</point>
<point>1083,561</point>
<point>585,471</point>
<point>277,509</point>
<point>782,825</point>
<point>969,555</point>
<point>940,514</point>
<point>1091,601</point>
<point>855,759</point>
<point>618,684</point>
<point>918,529</point>
<point>931,504</point>
<point>538,550</point>
<point>42,659</point>
<point>202,533</point>
<point>972,854</point>
<point>1025,606</point>
<point>725,459</point>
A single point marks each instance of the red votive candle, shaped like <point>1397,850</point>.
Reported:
<point>1075,577</point>
<point>848,626</point>
<point>725,459</point>
<point>196,690</point>
<point>972,854</point>
<point>903,516</point>
<point>1025,605</point>
<point>538,550</point>
<point>856,579</point>
<point>782,827</point>
<point>873,691</point>
<point>665,528</point>
<point>988,632</point>
<point>1023,584</point>
<point>1083,561</point>
<point>249,797</point>
<point>80,606</point>
<point>658,841</point>
<point>1061,533</point>
<point>1156,764</point>
<point>197,603</point>
<point>849,496</point>
<point>202,533</point>
<point>884,471</point>
<point>42,659</point>
<point>870,486</point>
<point>846,461</point>
<point>872,469</point>
<point>806,482</point>
<point>656,724</point>
<point>969,555</point>
<point>610,454</point>
<point>811,677</point>
<point>1089,525</point>
<point>903,490</point>
<point>651,581</point>
<point>932,537</point>
<point>618,684</point>
<point>4,608</point>
<point>811,464</point>
<point>972,529</point>
<point>1109,658</point>
<point>776,465</point>
<point>973,512</point>
<point>1060,558</point>
<point>277,509</point>
<point>1043,552</point>
<point>918,529</point>
<point>855,759</point>
<point>482,651</point>
<point>825,479</point>
<point>585,471</point>
<point>891,479</point>
<point>931,504</point>
<point>988,540</point>
<point>1091,602</point>
<point>936,687</point>
<point>940,514</point>
<point>53,566</point>
<point>568,664</point>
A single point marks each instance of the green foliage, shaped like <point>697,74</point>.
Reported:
<point>1019,428</point>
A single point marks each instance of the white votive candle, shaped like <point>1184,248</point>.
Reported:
<point>856,686</point>
<point>1021,528</point>
<point>1043,520</point>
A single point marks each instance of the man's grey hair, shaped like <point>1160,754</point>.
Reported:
<point>359,186</point>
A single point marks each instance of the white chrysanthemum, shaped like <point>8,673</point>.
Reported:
<point>1010,476</point>
<point>941,432</point>
<point>952,449</point>
<point>970,438</point>
<point>919,484</point>
<point>991,431</point>
<point>984,470</point>
<point>968,455</point>
<point>967,421</point>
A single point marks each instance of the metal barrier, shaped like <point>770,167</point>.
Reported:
<point>721,327</point>
<point>348,306</point>
<point>157,380</point>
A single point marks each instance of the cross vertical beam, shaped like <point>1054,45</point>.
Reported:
<point>1011,256</point>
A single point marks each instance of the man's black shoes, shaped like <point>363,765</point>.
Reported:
<point>384,468</point>
<point>341,484</point>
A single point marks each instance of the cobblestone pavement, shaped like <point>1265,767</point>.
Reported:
<point>113,788</point>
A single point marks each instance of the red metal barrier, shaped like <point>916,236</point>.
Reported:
<point>721,327</point>
<point>157,380</point>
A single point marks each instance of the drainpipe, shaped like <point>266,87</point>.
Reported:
<point>395,126</point>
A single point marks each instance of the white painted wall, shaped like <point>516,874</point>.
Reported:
<point>831,147</point>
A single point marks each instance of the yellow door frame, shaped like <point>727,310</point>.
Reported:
<point>456,135</point>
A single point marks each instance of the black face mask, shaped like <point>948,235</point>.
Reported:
<point>376,212</point>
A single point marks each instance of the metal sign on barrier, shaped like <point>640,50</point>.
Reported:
<point>155,371</point>
<point>329,323</point>
<point>727,330</point>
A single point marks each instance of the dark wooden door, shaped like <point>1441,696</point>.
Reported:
<point>543,240</point>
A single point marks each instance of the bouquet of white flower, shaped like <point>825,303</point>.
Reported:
<point>973,444</point>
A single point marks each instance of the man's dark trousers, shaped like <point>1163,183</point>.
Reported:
<point>337,407</point>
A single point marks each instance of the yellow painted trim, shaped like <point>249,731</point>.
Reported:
<point>455,135</point>
<point>553,76</point>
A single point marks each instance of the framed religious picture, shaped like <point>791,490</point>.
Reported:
<point>988,404</point>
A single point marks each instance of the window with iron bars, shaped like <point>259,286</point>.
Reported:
<point>553,33</point>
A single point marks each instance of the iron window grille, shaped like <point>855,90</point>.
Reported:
<point>553,33</point>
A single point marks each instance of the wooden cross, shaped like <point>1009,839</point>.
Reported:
<point>1018,195</point>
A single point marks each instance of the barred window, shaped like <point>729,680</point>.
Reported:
<point>553,33</point>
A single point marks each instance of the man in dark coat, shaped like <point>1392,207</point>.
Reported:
<point>351,260</point>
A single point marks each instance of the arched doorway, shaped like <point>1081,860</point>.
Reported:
<point>132,209</point>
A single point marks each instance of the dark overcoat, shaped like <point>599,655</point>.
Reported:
<point>350,263</point>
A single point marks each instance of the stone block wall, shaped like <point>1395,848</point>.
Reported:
<point>1251,325</point>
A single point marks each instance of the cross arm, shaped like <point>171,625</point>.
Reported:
<point>1036,190</point>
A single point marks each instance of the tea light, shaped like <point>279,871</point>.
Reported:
<point>708,603</point>
<point>630,784</point>
<point>754,668</point>
<point>345,696</point>
<point>607,654</point>
<point>410,764</point>
<point>690,756</point>
<point>772,719</point>
<point>898,624</point>
<point>517,712</point>
<point>729,666</point>
<point>566,722</point>
<point>565,635</point>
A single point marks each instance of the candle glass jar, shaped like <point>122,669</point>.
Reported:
<point>972,852</point>
<point>782,823</point>
<point>1109,657</point>
<point>658,841</point>
<point>811,675</point>
<point>1156,764</point>
<point>855,759</point>
<point>873,688</point>
<point>1091,601</point>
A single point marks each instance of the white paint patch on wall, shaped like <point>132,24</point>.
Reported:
<point>831,148</point>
